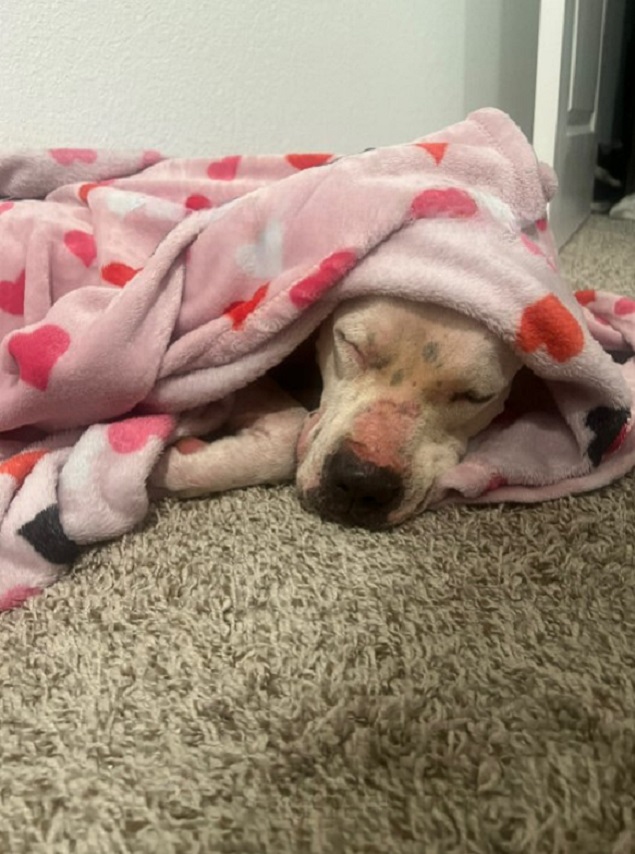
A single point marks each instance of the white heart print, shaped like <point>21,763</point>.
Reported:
<point>262,259</point>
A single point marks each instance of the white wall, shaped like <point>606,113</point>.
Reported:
<point>501,49</point>
<point>202,76</point>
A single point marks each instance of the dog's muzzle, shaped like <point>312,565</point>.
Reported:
<point>355,491</point>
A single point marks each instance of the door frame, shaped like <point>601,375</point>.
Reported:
<point>557,35</point>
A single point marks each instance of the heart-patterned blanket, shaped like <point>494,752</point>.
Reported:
<point>134,288</point>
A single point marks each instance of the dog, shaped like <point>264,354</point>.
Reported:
<point>404,388</point>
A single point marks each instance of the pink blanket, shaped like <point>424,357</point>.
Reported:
<point>134,288</point>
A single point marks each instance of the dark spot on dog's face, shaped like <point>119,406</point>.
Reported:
<point>379,361</point>
<point>397,378</point>
<point>430,352</point>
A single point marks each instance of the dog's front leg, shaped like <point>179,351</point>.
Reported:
<point>262,450</point>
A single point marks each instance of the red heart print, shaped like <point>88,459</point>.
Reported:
<point>82,246</point>
<point>330,271</point>
<point>448,202</point>
<point>67,156</point>
<point>126,437</point>
<point>239,311</point>
<point>197,202</point>
<point>307,161</point>
<point>21,465</point>
<point>547,323</point>
<point>12,295</point>
<point>37,352</point>
<point>118,274</point>
<point>225,169</point>
<point>85,189</point>
<point>436,149</point>
<point>624,305</point>
<point>541,224</point>
<point>5,206</point>
<point>585,297</point>
<point>618,441</point>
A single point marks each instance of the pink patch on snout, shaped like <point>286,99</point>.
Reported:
<point>381,433</point>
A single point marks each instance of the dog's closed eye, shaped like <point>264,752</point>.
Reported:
<point>349,346</point>
<point>471,396</point>
<point>366,355</point>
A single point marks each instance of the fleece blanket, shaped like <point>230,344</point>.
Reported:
<point>136,288</point>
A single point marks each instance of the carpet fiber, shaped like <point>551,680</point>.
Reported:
<point>241,677</point>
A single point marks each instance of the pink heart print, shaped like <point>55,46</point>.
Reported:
<point>449,202</point>
<point>37,352</point>
<point>82,245</point>
<point>67,156</point>
<point>225,169</point>
<point>12,295</point>
<point>16,596</point>
<point>624,305</point>
<point>126,437</point>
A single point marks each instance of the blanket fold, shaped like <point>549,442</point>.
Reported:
<point>134,288</point>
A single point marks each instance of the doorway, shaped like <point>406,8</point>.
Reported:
<point>614,187</point>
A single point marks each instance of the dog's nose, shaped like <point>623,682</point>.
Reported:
<point>360,492</point>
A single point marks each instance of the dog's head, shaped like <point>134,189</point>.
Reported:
<point>405,386</point>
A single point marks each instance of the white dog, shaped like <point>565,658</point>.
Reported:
<point>405,386</point>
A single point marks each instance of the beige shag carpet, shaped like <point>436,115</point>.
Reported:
<point>241,677</point>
